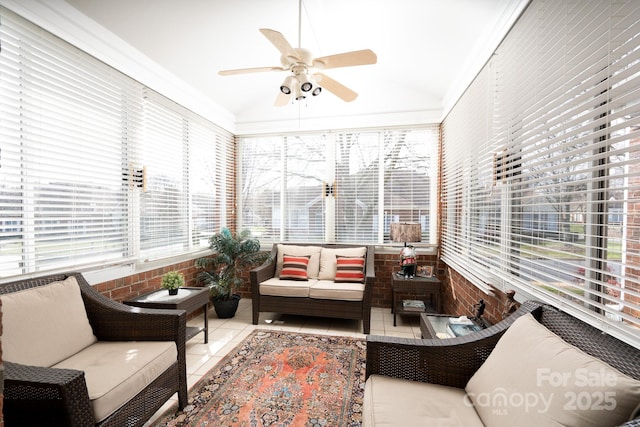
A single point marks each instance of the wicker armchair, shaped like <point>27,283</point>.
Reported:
<point>48,396</point>
<point>452,362</point>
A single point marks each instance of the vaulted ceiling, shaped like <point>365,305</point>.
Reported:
<point>428,50</point>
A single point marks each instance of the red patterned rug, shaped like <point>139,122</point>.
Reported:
<point>280,379</point>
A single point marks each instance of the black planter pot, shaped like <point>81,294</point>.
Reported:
<point>226,309</point>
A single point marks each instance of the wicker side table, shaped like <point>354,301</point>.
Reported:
<point>188,299</point>
<point>418,287</point>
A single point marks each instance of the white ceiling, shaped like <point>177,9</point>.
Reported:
<point>428,50</point>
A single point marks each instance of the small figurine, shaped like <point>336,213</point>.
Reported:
<point>408,261</point>
<point>479,309</point>
<point>510,305</point>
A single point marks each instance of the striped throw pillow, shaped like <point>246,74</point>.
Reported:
<point>349,269</point>
<point>294,267</point>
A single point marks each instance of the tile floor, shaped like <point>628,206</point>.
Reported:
<point>225,334</point>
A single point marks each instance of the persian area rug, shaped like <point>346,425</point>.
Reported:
<point>278,378</point>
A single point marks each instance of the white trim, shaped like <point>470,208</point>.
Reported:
<point>66,22</point>
<point>483,50</point>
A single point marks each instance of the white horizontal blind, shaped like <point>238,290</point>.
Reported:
<point>63,199</point>
<point>409,175</point>
<point>330,186</point>
<point>305,172</point>
<point>540,189</point>
<point>163,205</point>
<point>356,194</point>
<point>211,172</point>
<point>260,186</point>
<point>76,139</point>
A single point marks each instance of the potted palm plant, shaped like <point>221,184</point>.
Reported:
<point>232,253</point>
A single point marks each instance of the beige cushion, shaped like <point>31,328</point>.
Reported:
<point>328,289</point>
<point>394,402</point>
<point>117,371</point>
<point>286,288</point>
<point>44,325</point>
<point>312,251</point>
<point>534,378</point>
<point>328,260</point>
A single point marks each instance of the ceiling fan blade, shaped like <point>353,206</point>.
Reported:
<point>249,70</point>
<point>281,100</point>
<point>277,39</point>
<point>338,89</point>
<point>347,59</point>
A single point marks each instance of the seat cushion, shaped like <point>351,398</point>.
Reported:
<point>312,251</point>
<point>117,371</point>
<point>286,288</point>
<point>328,260</point>
<point>328,289</point>
<point>394,402</point>
<point>42,326</point>
<point>534,378</point>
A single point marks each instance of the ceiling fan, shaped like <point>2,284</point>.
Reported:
<point>300,63</point>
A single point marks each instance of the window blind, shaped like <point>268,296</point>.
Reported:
<point>77,137</point>
<point>63,200</point>
<point>539,164</point>
<point>260,186</point>
<point>338,186</point>
<point>410,170</point>
<point>211,172</point>
<point>357,176</point>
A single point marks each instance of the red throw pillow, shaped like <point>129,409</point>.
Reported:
<point>349,269</point>
<point>294,267</point>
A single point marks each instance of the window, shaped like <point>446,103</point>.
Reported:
<point>338,186</point>
<point>540,163</point>
<point>80,143</point>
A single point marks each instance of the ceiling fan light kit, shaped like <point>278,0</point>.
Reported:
<point>299,62</point>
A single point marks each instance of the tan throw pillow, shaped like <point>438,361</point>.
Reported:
<point>43,326</point>
<point>534,378</point>
<point>295,250</point>
<point>328,260</point>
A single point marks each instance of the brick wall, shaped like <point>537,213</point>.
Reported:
<point>385,265</point>
<point>459,297</point>
<point>141,283</point>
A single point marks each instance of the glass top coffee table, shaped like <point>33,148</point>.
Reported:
<point>188,299</point>
<point>446,326</point>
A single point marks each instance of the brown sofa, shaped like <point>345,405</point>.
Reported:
<point>75,357</point>
<point>538,367</point>
<point>320,295</point>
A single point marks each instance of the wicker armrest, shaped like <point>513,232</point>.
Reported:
<point>31,392</point>
<point>265,271</point>
<point>114,321</point>
<point>369,269</point>
<point>451,362</point>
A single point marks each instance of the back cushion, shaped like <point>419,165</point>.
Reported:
<point>43,326</point>
<point>294,250</point>
<point>534,378</point>
<point>328,260</point>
